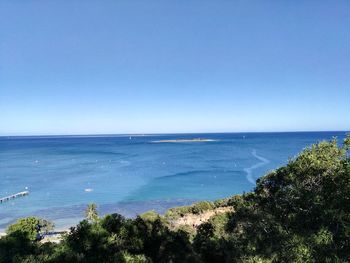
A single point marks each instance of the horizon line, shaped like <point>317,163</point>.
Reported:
<point>167,133</point>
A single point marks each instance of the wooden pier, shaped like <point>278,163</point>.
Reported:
<point>8,198</point>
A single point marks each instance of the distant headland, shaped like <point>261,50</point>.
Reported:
<point>185,140</point>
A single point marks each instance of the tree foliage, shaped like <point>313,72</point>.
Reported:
<point>31,227</point>
<point>91,213</point>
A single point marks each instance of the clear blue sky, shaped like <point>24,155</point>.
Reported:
<point>83,67</point>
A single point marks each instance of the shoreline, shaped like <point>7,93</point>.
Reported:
<point>180,216</point>
<point>63,219</point>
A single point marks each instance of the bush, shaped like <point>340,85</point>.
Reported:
<point>125,257</point>
<point>201,207</point>
<point>31,227</point>
<point>196,208</point>
<point>150,215</point>
<point>300,212</point>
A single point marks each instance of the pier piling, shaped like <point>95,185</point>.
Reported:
<point>8,198</point>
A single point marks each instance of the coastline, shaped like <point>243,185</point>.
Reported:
<point>66,217</point>
<point>176,217</point>
<point>192,171</point>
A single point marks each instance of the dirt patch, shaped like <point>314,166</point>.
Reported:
<point>194,220</point>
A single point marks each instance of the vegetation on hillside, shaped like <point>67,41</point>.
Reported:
<point>298,213</point>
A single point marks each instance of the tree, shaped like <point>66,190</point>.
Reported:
<point>300,212</point>
<point>91,213</point>
<point>32,227</point>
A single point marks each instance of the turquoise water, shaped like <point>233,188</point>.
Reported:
<point>132,174</point>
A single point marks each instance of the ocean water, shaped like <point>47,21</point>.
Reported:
<point>132,174</point>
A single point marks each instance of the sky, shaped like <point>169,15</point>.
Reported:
<point>136,66</point>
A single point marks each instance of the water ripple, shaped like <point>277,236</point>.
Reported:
<point>249,170</point>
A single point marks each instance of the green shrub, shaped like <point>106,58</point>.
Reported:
<point>126,257</point>
<point>196,208</point>
<point>219,222</point>
<point>200,207</point>
<point>32,227</point>
<point>150,215</point>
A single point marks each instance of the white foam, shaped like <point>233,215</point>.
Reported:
<point>249,170</point>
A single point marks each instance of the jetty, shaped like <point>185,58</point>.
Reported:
<point>8,198</point>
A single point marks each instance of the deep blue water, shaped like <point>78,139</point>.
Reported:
<point>133,174</point>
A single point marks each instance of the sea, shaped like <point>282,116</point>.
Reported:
<point>131,174</point>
